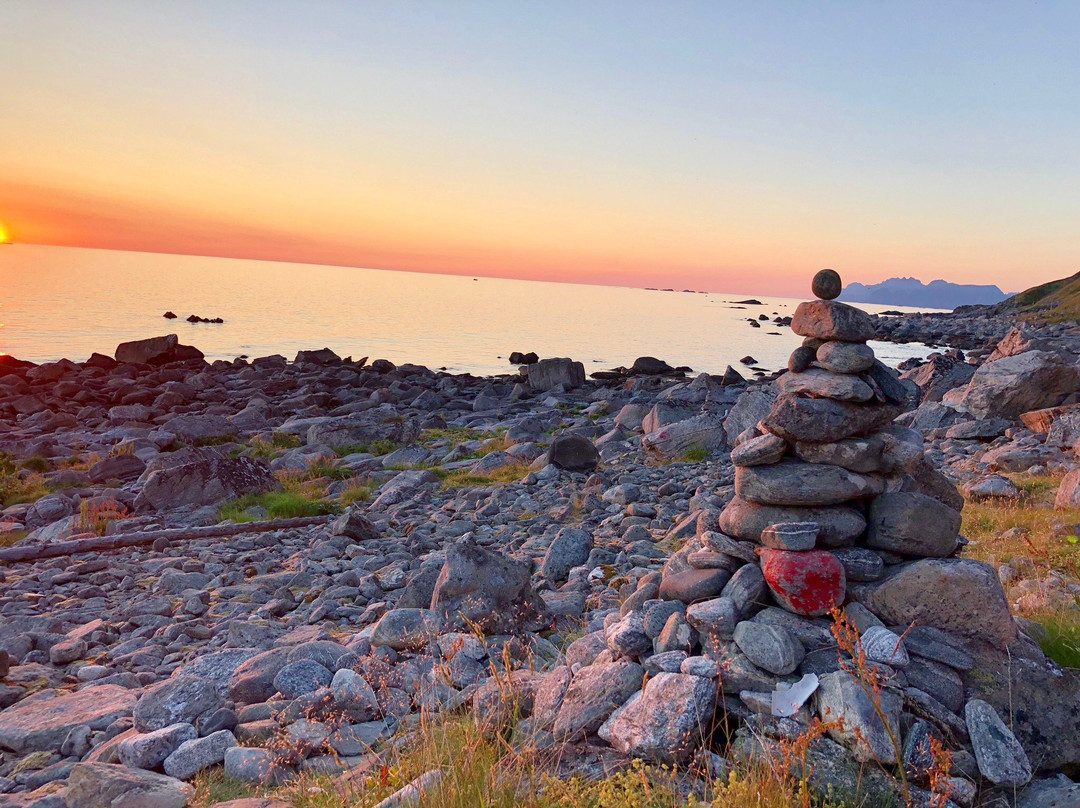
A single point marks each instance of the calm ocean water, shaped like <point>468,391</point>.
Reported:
<point>63,302</point>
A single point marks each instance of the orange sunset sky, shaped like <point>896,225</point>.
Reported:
<point>729,147</point>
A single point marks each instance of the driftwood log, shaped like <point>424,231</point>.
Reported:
<point>96,544</point>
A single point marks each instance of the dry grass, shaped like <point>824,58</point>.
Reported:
<point>1044,547</point>
<point>465,478</point>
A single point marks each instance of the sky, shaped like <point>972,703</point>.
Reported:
<point>725,146</point>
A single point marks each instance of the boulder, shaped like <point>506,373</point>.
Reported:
<point>794,483</point>
<point>1001,758</point>
<point>1014,385</point>
<point>593,695</point>
<point>155,350</point>
<point>1064,432</point>
<point>570,548</point>
<point>1040,699</point>
<point>703,431</point>
<point>822,420</point>
<point>912,524</point>
<point>862,455</point>
<point>940,375</point>
<point>749,409</point>
<point>771,648</point>
<point>148,750</point>
<point>179,700</point>
<point>668,721</point>
<point>763,450</point>
<point>483,588</point>
<point>650,366</point>
<point>201,476</point>
<point>354,525</point>
<point>818,383</point>
<point>844,357</point>
<point>196,429</point>
<point>105,785</point>
<point>253,681</point>
<point>829,320</point>
<point>968,598</point>
<point>551,373</point>
<point>43,722</point>
<point>840,697</point>
<point>406,629</point>
<point>361,429</point>
<point>191,757</point>
<point>809,583</point>
<point>573,453</point>
<point>838,525</point>
<point>1068,493</point>
<point>121,467</point>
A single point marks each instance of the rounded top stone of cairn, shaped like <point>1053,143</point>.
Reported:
<point>827,284</point>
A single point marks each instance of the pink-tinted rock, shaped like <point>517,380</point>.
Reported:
<point>807,583</point>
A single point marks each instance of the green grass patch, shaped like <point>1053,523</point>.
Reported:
<point>279,505</point>
<point>353,493</point>
<point>695,454</point>
<point>377,448</point>
<point>277,445</point>
<point>16,486</point>
<point>465,478</point>
<point>1062,640</point>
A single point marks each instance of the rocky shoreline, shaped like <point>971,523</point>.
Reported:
<point>622,554</point>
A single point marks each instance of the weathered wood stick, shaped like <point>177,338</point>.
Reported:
<point>36,552</point>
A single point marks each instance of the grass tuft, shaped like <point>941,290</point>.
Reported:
<point>465,478</point>
<point>278,504</point>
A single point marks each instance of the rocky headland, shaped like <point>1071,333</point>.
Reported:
<point>280,568</point>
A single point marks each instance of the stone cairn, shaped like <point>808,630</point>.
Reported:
<point>835,507</point>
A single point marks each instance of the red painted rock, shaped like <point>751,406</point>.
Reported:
<point>808,583</point>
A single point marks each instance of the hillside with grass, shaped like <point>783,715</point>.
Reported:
<point>1054,302</point>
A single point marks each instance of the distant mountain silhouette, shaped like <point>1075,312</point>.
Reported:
<point>912,292</point>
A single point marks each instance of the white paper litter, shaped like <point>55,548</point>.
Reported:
<point>786,700</point>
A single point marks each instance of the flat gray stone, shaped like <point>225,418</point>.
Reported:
<point>1001,758</point>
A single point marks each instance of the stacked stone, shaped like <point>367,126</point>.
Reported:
<point>828,459</point>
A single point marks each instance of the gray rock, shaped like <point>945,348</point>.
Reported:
<point>823,420</point>
<point>840,525</point>
<point>149,750</point>
<point>819,383</point>
<point>798,484</point>
<point>791,536</point>
<point>355,526</point>
<point>763,450</point>
<point>253,681</point>
<point>297,679</point>
<point>249,765</point>
<point>626,637</point>
<point>841,696</point>
<point>769,647</point>
<point>43,722</point>
<point>912,524</point>
<point>845,357</point>
<point>548,374</point>
<point>968,598</point>
<point>1001,758</point>
<point>829,320</point>
<point>881,645</point>
<point>179,700</point>
<point>863,455</point>
<point>594,694</point>
<point>354,696</point>
<point>860,564</point>
<point>747,590</point>
<point>486,589</point>
<point>405,629</point>
<point>201,476</point>
<point>570,548</point>
<point>669,721</point>
<point>1016,384</point>
<point>716,617</point>
<point>573,453</point>
<point>690,586</point>
<point>195,755</point>
<point>104,785</point>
